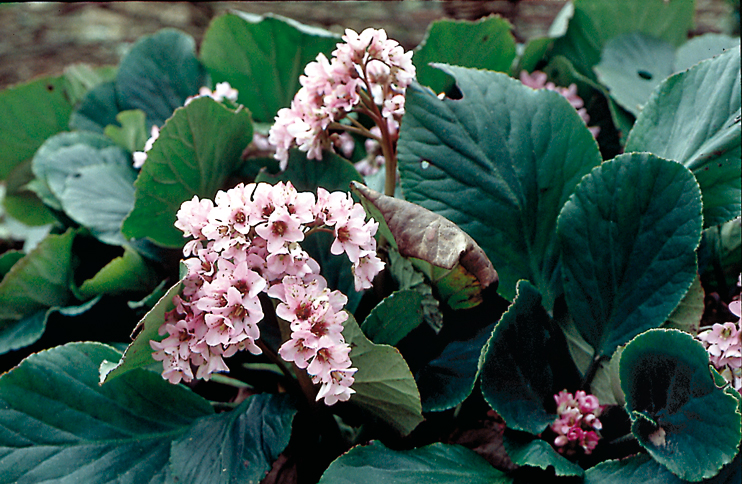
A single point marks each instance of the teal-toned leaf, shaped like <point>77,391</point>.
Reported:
<point>139,352</point>
<point>694,118</point>
<point>606,384</point>
<point>34,284</point>
<point>499,163</point>
<point>526,450</point>
<point>439,463</point>
<point>484,44</point>
<point>678,414</point>
<point>721,247</point>
<point>449,379</point>
<point>628,237</point>
<point>196,151</point>
<point>79,79</point>
<point>595,22</point>
<point>394,317</point>
<point>97,109</point>
<point>262,57</point>
<point>384,386</point>
<point>128,273</point>
<point>59,425</point>
<point>687,315</point>
<point>701,48</point>
<point>22,203</point>
<point>516,377</point>
<point>333,173</point>
<point>158,74</point>
<point>236,446</point>
<point>112,188</point>
<point>447,255</point>
<point>132,134</point>
<point>642,468</point>
<point>632,65</point>
<point>29,114</point>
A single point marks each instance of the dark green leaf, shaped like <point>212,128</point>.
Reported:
<point>394,317</point>
<point>438,463</point>
<point>97,109</point>
<point>678,414</point>
<point>694,118</point>
<point>525,450</point>
<point>196,151</point>
<point>484,44</point>
<point>384,386</point>
<point>515,375</point>
<point>81,78</point>
<point>628,236</point>
<point>262,57</point>
<point>499,163</point>
<point>8,260</point>
<point>132,134</point>
<point>20,202</point>
<point>236,446</point>
<point>128,273</point>
<point>642,468</point>
<point>59,425</point>
<point>449,379</point>
<point>687,315</point>
<point>36,283</point>
<point>158,74</point>
<point>29,114</point>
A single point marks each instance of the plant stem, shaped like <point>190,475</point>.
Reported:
<point>591,371</point>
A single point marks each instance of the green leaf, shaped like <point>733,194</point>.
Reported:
<point>394,317</point>
<point>158,74</point>
<point>410,278</point>
<point>333,173</point>
<point>139,352</point>
<point>449,379</point>
<point>8,260</point>
<point>97,109</point>
<point>484,44</point>
<point>132,134</point>
<point>703,47</point>
<point>678,414</point>
<point>694,118</point>
<point>384,386</point>
<point>499,163</point>
<point>606,384</point>
<point>439,463</point>
<point>34,284</point>
<point>236,446</point>
<point>29,114</point>
<point>516,377</point>
<point>632,65</point>
<point>128,273</point>
<point>595,22</point>
<point>262,57</point>
<point>687,315</point>
<point>721,248</point>
<point>446,254</point>
<point>628,236</point>
<point>20,202</point>
<point>642,466</point>
<point>60,425</point>
<point>526,450</point>
<point>196,151</point>
<point>81,78</point>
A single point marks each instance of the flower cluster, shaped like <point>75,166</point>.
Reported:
<point>247,242</point>
<point>368,73</point>
<point>537,80</point>
<point>223,91</point>
<point>724,345</point>
<point>577,424</point>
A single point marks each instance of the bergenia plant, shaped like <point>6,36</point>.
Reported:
<point>470,261</point>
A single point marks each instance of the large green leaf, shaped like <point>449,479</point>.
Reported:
<point>158,74</point>
<point>678,413</point>
<point>236,446</point>
<point>694,118</point>
<point>642,468</point>
<point>59,425</point>
<point>127,273</point>
<point>384,386</point>
<point>595,22</point>
<point>499,163</point>
<point>438,463</point>
<point>449,379</point>
<point>526,450</point>
<point>97,109</point>
<point>262,57</point>
<point>333,173</point>
<point>29,114</point>
<point>37,282</point>
<point>515,375</point>
<point>484,44</point>
<point>394,317</point>
<point>447,255</point>
<point>196,151</point>
<point>628,237</point>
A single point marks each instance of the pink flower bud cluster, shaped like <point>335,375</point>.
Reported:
<point>367,66</point>
<point>724,345</point>
<point>245,243</point>
<point>537,80</point>
<point>577,424</point>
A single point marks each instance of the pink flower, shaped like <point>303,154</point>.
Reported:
<point>577,424</point>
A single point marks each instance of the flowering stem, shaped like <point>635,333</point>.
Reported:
<point>591,371</point>
<point>352,129</point>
